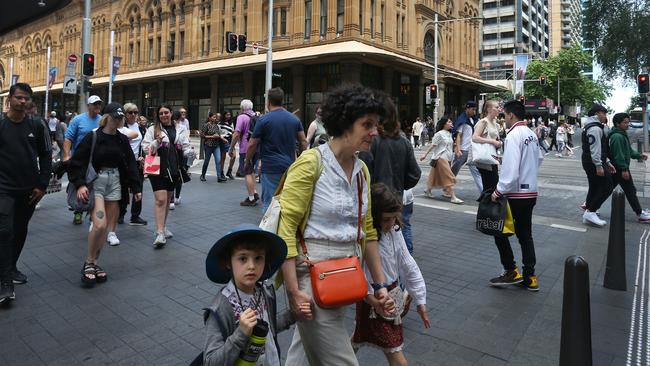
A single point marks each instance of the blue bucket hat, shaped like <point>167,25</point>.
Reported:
<point>276,252</point>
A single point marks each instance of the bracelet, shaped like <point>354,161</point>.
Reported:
<point>379,286</point>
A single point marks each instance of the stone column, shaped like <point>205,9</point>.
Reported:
<point>351,25</point>
<point>315,19</point>
<point>366,19</point>
<point>297,72</point>
<point>331,19</point>
<point>256,32</point>
<point>299,21</point>
<point>164,36</point>
<point>389,24</point>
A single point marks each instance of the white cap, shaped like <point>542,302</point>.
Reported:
<point>94,99</point>
<point>53,113</point>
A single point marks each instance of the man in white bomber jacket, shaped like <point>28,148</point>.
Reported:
<point>518,182</point>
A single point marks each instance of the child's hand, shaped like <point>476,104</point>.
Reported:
<point>247,321</point>
<point>305,310</point>
<point>422,310</point>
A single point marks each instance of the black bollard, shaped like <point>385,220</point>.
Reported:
<point>575,341</point>
<point>615,278</point>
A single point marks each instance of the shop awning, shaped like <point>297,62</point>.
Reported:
<point>483,87</point>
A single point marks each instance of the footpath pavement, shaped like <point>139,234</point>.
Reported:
<point>149,311</point>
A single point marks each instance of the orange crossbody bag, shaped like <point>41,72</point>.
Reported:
<point>341,281</point>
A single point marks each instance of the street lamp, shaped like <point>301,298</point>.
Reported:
<point>436,22</point>
<point>269,57</point>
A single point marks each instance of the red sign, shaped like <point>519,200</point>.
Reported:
<point>72,58</point>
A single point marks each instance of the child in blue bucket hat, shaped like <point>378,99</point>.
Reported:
<point>242,260</point>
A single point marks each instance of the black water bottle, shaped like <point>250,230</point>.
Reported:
<point>255,347</point>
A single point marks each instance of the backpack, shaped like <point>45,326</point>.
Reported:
<point>251,125</point>
<point>553,130</point>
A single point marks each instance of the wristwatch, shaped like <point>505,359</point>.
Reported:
<point>378,286</point>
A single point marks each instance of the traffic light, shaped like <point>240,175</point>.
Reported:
<point>542,80</point>
<point>522,99</point>
<point>88,64</point>
<point>433,91</point>
<point>643,82</point>
<point>241,43</point>
<point>231,42</point>
<point>88,86</point>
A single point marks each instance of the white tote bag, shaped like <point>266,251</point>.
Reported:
<point>484,154</point>
<point>271,217</point>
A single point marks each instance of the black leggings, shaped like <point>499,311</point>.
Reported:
<point>15,213</point>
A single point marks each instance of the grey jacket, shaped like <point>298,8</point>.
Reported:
<point>224,340</point>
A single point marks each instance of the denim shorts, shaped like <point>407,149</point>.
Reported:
<point>224,146</point>
<point>107,185</point>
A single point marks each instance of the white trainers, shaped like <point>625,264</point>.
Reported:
<point>172,206</point>
<point>160,241</point>
<point>644,218</point>
<point>177,201</point>
<point>112,239</point>
<point>168,234</point>
<point>592,218</point>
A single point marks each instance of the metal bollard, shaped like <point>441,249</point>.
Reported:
<point>575,341</point>
<point>615,277</point>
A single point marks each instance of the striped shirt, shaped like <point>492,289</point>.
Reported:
<point>226,130</point>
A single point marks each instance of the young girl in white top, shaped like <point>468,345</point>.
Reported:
<point>373,326</point>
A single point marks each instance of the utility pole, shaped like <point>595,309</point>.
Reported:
<point>85,43</point>
<point>269,57</point>
<point>436,24</point>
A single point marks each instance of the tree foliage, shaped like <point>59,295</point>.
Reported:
<point>618,32</point>
<point>568,66</point>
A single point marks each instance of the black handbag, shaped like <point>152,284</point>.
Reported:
<point>91,175</point>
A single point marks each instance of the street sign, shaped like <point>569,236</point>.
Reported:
<point>72,58</point>
<point>427,94</point>
<point>69,84</point>
<point>256,49</point>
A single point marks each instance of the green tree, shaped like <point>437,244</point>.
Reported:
<point>567,65</point>
<point>618,31</point>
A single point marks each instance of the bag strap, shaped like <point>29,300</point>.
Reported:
<point>92,148</point>
<point>360,199</point>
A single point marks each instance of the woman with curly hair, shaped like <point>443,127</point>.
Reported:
<point>320,199</point>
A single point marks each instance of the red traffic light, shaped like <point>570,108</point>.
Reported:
<point>433,91</point>
<point>88,64</point>
<point>643,83</point>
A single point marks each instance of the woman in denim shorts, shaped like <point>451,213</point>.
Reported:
<point>113,160</point>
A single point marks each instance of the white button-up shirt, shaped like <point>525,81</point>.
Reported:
<point>334,207</point>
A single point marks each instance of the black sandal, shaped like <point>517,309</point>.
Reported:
<point>100,274</point>
<point>87,271</point>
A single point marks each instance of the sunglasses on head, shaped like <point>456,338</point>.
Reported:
<point>132,112</point>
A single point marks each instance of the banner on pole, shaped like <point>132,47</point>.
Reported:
<point>14,79</point>
<point>51,76</point>
<point>116,66</point>
<point>521,64</point>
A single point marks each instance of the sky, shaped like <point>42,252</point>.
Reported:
<point>621,94</point>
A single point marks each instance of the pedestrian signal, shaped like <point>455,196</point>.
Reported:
<point>433,91</point>
<point>643,82</point>
<point>542,80</point>
<point>241,43</point>
<point>231,42</point>
<point>88,64</point>
<point>522,99</point>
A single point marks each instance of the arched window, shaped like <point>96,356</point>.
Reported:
<point>429,50</point>
<point>172,15</point>
<point>150,19</point>
<point>181,10</point>
<point>132,24</point>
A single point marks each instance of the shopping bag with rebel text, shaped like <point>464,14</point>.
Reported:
<point>491,216</point>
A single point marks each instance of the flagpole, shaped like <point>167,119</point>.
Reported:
<point>110,67</point>
<point>47,80</point>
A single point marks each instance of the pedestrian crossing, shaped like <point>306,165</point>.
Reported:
<point>638,350</point>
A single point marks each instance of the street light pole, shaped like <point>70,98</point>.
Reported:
<point>436,23</point>
<point>85,43</point>
<point>269,57</point>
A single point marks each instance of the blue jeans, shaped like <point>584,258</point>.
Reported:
<point>407,211</point>
<point>269,184</point>
<point>216,152</point>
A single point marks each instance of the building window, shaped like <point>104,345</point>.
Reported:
<point>171,49</point>
<point>323,18</point>
<point>208,37</point>
<point>381,22</point>
<point>234,24</point>
<point>397,26</point>
<point>245,25</point>
<point>172,15</point>
<point>182,46</point>
<point>283,21</point>
<point>159,42</point>
<point>307,18</point>
<point>429,47</point>
<point>372,19</point>
<point>403,31</point>
<point>234,5</point>
<point>150,50</point>
<point>490,36</point>
<point>202,40</point>
<point>181,10</point>
<point>223,5</point>
<point>340,12</point>
<point>131,51</point>
<point>274,25</point>
<point>222,33</point>
<point>361,6</point>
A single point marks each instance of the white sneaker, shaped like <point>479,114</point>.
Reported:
<point>592,218</point>
<point>172,206</point>
<point>177,201</point>
<point>112,239</point>
<point>644,218</point>
<point>168,234</point>
<point>90,227</point>
<point>160,241</point>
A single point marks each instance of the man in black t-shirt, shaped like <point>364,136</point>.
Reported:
<point>23,142</point>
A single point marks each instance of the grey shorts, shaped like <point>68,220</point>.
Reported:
<point>107,185</point>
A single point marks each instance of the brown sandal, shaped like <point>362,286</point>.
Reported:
<point>100,274</point>
<point>88,274</point>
